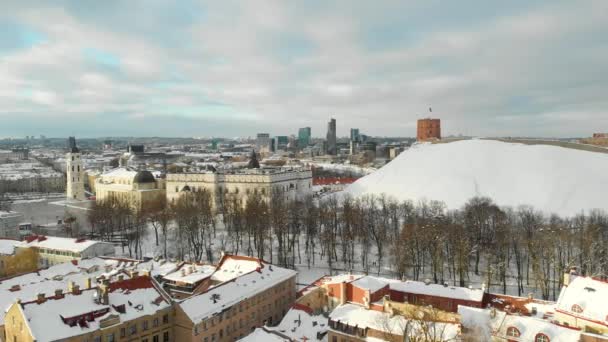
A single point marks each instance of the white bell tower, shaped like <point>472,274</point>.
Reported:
<point>74,172</point>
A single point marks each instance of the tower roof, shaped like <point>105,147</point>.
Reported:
<point>72,148</point>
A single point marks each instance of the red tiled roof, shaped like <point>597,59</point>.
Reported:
<point>333,180</point>
<point>142,282</point>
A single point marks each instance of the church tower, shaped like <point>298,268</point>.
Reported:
<point>74,172</point>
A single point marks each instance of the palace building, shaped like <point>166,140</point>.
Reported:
<point>295,183</point>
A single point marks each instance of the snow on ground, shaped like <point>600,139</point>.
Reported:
<point>550,178</point>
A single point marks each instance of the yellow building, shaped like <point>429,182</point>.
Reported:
<point>135,309</point>
<point>52,250</point>
<point>14,260</point>
<point>134,187</point>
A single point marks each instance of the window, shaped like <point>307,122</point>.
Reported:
<point>145,325</point>
<point>110,337</point>
<point>155,322</point>
<point>123,332</point>
<point>166,336</point>
<point>155,338</point>
<point>577,308</point>
<point>165,318</point>
<point>513,332</point>
<point>133,329</point>
<point>97,339</point>
<point>541,338</point>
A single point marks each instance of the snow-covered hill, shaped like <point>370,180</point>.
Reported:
<point>552,179</point>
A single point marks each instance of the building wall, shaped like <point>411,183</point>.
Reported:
<point>572,320</point>
<point>315,299</point>
<point>428,129</point>
<point>15,325</point>
<point>9,224</point>
<point>22,261</point>
<point>295,184</point>
<point>48,257</point>
<point>241,319</point>
<point>137,198</point>
<point>441,303</point>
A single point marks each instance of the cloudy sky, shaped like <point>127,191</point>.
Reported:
<point>234,68</point>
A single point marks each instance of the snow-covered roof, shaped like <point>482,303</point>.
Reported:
<point>120,172</point>
<point>301,326</point>
<point>483,324</point>
<point>45,319</point>
<point>437,290</point>
<point>340,278</point>
<point>158,267</point>
<point>190,273</point>
<point>229,293</point>
<point>546,177</point>
<point>60,243</point>
<point>27,286</point>
<point>590,294</point>
<point>7,246</point>
<point>234,266</point>
<point>370,283</point>
<point>356,315</point>
<point>262,335</point>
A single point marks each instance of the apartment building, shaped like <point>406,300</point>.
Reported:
<point>242,301</point>
<point>133,309</point>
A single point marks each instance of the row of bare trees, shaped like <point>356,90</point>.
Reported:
<point>508,249</point>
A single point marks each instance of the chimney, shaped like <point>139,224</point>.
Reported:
<point>570,275</point>
<point>342,293</point>
<point>121,277</point>
<point>183,272</point>
<point>87,283</point>
<point>40,298</point>
<point>134,274</point>
<point>71,286</point>
<point>75,289</point>
<point>104,293</point>
<point>58,293</point>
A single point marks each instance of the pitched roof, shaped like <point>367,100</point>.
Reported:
<point>588,293</point>
<point>229,293</point>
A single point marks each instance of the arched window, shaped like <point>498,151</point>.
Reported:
<point>577,308</point>
<point>513,332</point>
<point>541,338</point>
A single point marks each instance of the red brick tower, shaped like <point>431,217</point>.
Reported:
<point>429,129</point>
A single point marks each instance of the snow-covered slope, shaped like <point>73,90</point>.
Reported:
<point>552,179</point>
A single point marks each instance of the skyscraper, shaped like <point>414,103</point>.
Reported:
<point>354,134</point>
<point>263,142</point>
<point>304,136</point>
<point>331,137</point>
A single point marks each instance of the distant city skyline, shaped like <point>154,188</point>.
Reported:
<point>185,69</point>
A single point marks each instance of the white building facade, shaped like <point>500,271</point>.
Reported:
<point>294,183</point>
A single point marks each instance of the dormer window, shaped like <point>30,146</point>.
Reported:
<point>577,308</point>
<point>513,332</point>
<point>541,338</point>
